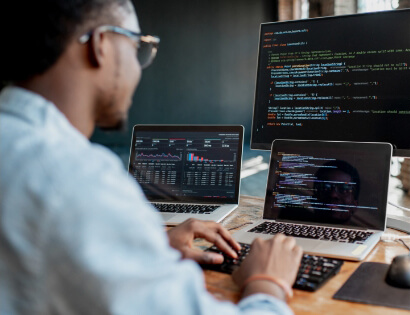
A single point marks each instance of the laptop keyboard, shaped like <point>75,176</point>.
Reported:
<point>313,232</point>
<point>184,208</point>
<point>313,271</point>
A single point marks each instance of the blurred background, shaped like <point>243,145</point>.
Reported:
<point>205,69</point>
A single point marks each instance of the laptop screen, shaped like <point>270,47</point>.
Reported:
<point>330,183</point>
<point>187,163</point>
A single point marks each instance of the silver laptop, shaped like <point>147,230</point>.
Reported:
<point>188,171</point>
<point>331,196</point>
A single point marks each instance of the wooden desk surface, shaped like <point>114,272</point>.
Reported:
<point>319,302</point>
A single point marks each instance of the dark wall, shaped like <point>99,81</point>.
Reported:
<point>205,69</point>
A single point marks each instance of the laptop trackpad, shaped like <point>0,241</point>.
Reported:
<point>167,216</point>
<point>307,244</point>
<point>338,248</point>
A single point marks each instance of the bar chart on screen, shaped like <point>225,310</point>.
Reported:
<point>191,157</point>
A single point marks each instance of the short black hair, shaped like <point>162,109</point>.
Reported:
<point>34,33</point>
<point>345,167</point>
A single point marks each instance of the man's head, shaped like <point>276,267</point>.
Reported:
<point>64,43</point>
<point>38,32</point>
<point>337,186</point>
<point>340,177</point>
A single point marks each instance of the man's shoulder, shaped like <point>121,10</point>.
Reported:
<point>58,163</point>
<point>49,161</point>
<point>80,162</point>
<point>64,176</point>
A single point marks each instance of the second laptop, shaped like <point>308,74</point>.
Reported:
<point>188,171</point>
<point>330,195</point>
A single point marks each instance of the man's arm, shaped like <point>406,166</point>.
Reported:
<point>108,248</point>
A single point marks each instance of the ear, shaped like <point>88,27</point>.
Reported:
<point>97,48</point>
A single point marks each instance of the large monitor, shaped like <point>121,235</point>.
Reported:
<point>335,78</point>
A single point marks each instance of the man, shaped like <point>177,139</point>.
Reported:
<point>76,234</point>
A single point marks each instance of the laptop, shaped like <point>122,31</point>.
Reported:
<point>188,171</point>
<point>331,196</point>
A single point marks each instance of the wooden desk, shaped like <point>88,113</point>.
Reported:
<point>319,302</point>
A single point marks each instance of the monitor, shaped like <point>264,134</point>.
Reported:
<point>343,78</point>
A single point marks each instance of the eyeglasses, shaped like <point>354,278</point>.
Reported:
<point>147,44</point>
<point>341,188</point>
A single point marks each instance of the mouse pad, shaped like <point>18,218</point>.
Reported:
<point>367,285</point>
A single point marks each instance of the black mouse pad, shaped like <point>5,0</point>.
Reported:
<point>367,285</point>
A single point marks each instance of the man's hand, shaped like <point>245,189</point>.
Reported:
<point>182,236</point>
<point>278,257</point>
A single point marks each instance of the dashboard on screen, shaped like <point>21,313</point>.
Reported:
<point>344,78</point>
<point>187,163</point>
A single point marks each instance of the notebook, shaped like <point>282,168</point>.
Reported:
<point>330,195</point>
<point>188,171</point>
